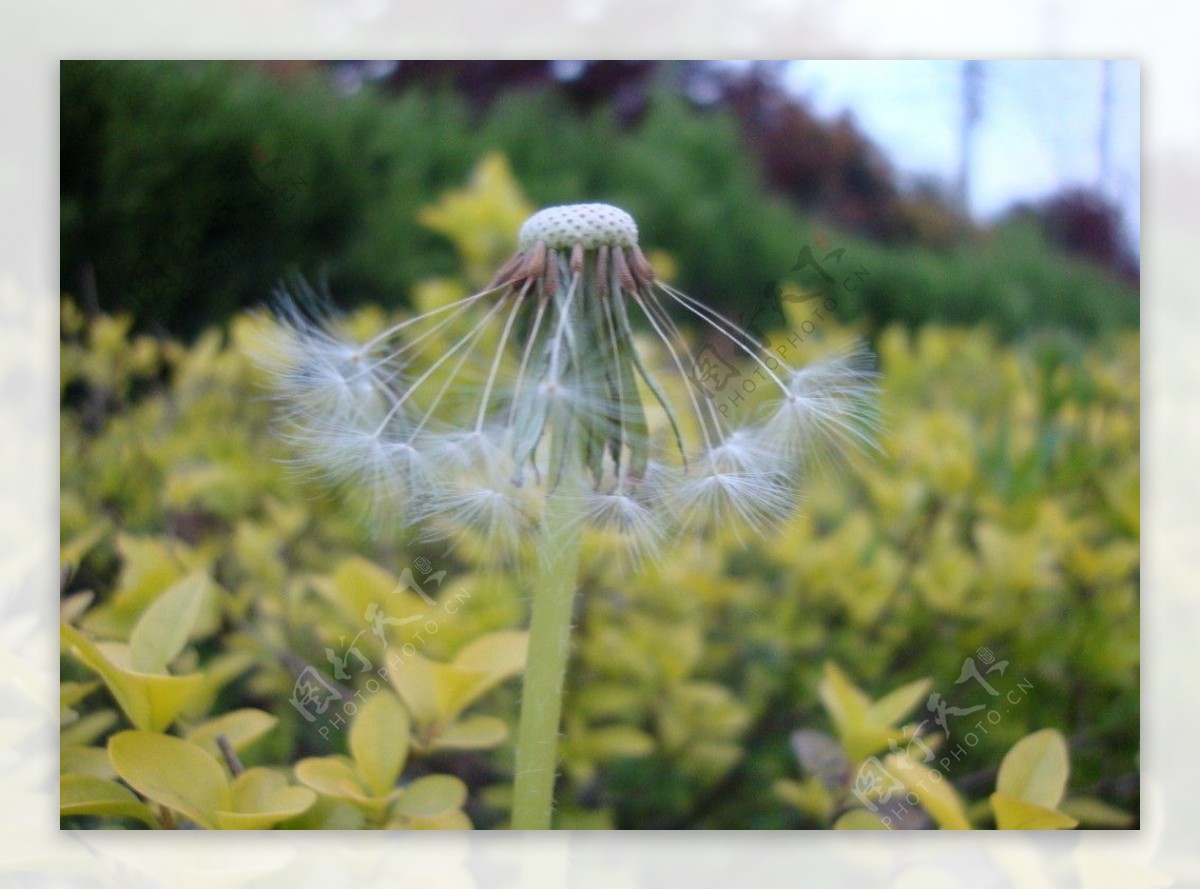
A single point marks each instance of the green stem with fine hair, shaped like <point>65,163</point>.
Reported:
<point>546,667</point>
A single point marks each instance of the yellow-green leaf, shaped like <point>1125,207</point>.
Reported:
<point>455,820</point>
<point>457,689</point>
<point>492,659</point>
<point>172,772</point>
<point>150,701</point>
<point>415,680</point>
<point>432,796</point>
<point>358,583</point>
<point>379,741</point>
<point>71,694</point>
<point>436,693</point>
<point>73,759</point>
<point>471,733</point>
<point>809,796</point>
<point>92,796</point>
<point>850,709</point>
<point>88,729</point>
<point>72,553</point>
<point>600,700</point>
<point>846,703</point>
<point>860,820</point>
<point>1015,814</point>
<point>1094,813</point>
<point>241,728</point>
<point>218,672</point>
<point>336,777</point>
<point>934,792</point>
<point>163,629</point>
<point>890,709</point>
<point>608,742</point>
<point>148,566</point>
<point>1035,769</point>
<point>262,798</point>
<point>71,608</point>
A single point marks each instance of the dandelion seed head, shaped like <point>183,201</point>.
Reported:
<point>591,225</point>
<point>466,418</point>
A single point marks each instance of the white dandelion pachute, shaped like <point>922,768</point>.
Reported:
<point>467,416</point>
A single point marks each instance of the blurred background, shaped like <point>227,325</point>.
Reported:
<point>977,222</point>
<point>998,192</point>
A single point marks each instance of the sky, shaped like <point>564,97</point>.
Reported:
<point>1038,129</point>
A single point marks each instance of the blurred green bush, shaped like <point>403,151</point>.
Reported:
<point>1002,519</point>
<point>190,189</point>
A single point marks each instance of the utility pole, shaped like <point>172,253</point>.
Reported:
<point>972,91</point>
<point>1103,148</point>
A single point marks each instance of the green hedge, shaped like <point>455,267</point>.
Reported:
<point>191,188</point>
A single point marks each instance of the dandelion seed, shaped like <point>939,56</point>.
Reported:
<point>468,416</point>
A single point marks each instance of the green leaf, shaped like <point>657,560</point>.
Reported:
<point>379,742</point>
<point>241,728</point>
<point>262,798</point>
<point>163,629</point>
<point>860,820</point>
<point>92,796</point>
<point>432,796</point>
<point>1035,770</point>
<point>172,772</point>
<point>1015,814</point>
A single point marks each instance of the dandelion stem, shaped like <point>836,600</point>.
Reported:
<point>549,642</point>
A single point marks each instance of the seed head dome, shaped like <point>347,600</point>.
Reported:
<point>591,225</point>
